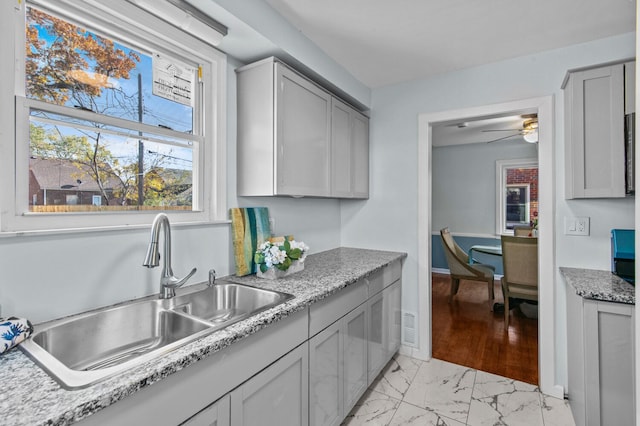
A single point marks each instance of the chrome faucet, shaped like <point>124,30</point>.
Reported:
<point>168,282</point>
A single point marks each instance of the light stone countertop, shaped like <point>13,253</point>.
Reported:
<point>31,397</point>
<point>599,285</point>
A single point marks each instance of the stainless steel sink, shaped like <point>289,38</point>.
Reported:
<point>83,349</point>
<point>225,303</point>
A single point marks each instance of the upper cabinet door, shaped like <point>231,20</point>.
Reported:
<point>629,87</point>
<point>303,132</point>
<point>349,152</point>
<point>594,110</point>
<point>341,149</point>
<point>360,152</point>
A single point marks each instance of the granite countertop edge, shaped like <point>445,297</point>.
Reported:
<point>33,397</point>
<point>599,285</point>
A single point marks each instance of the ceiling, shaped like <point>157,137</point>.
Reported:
<point>383,42</point>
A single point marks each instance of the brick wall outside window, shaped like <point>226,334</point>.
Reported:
<point>526,176</point>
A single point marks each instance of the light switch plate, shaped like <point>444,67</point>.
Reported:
<point>576,225</point>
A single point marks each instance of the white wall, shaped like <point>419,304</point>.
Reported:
<point>464,184</point>
<point>392,209</point>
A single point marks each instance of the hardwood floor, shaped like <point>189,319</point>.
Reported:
<point>468,333</point>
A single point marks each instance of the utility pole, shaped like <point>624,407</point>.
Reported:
<point>140,147</point>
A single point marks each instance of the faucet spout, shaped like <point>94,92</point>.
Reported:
<point>168,282</point>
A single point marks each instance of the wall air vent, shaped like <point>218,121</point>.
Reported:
<point>409,329</point>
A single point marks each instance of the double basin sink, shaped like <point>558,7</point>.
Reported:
<point>83,349</point>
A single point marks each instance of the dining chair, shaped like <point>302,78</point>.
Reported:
<point>520,268</point>
<point>522,231</point>
<point>459,267</point>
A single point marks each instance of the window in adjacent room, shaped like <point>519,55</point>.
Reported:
<point>517,194</point>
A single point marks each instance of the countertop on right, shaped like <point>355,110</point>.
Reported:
<point>599,285</point>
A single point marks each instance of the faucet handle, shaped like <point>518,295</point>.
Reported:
<point>212,278</point>
<point>172,282</point>
<point>184,280</point>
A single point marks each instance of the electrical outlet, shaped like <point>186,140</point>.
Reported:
<point>576,225</point>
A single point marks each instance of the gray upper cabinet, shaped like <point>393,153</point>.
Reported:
<point>360,151</point>
<point>296,139</point>
<point>595,102</point>
<point>349,151</point>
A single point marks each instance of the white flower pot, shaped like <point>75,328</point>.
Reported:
<point>275,273</point>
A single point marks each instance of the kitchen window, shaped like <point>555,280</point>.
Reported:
<point>118,115</point>
<point>516,194</point>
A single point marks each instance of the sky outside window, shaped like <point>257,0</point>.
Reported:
<point>75,68</point>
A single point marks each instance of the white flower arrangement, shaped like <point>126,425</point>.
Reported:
<point>280,255</point>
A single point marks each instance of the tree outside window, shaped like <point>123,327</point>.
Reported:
<point>106,164</point>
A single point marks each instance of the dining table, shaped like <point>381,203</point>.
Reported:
<point>484,249</point>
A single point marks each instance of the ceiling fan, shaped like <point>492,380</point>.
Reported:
<point>529,130</point>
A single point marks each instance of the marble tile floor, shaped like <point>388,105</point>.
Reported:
<point>414,392</point>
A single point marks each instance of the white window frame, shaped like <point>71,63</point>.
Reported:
<point>127,23</point>
<point>501,187</point>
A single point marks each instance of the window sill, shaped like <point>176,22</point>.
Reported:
<point>98,229</point>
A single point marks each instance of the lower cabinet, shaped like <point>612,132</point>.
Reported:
<point>601,371</point>
<point>279,395</point>
<point>355,356</point>
<point>384,316</point>
<point>377,338</point>
<point>326,376</point>
<point>338,368</point>
<point>217,414</point>
<point>393,317</point>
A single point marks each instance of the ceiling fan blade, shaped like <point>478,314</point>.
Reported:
<point>505,137</point>
<point>503,130</point>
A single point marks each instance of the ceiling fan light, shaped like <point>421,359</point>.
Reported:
<point>531,137</point>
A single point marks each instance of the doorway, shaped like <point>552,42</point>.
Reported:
<point>543,107</point>
<point>484,184</point>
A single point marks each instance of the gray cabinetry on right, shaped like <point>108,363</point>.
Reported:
<point>601,371</point>
<point>596,101</point>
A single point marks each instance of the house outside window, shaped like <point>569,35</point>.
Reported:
<point>516,194</point>
<point>112,117</point>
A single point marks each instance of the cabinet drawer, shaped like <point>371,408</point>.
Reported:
<point>334,307</point>
<point>384,277</point>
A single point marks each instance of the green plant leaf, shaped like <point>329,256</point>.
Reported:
<point>295,253</point>
<point>263,267</point>
<point>287,245</point>
<point>284,265</point>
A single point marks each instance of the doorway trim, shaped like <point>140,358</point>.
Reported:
<point>543,106</point>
